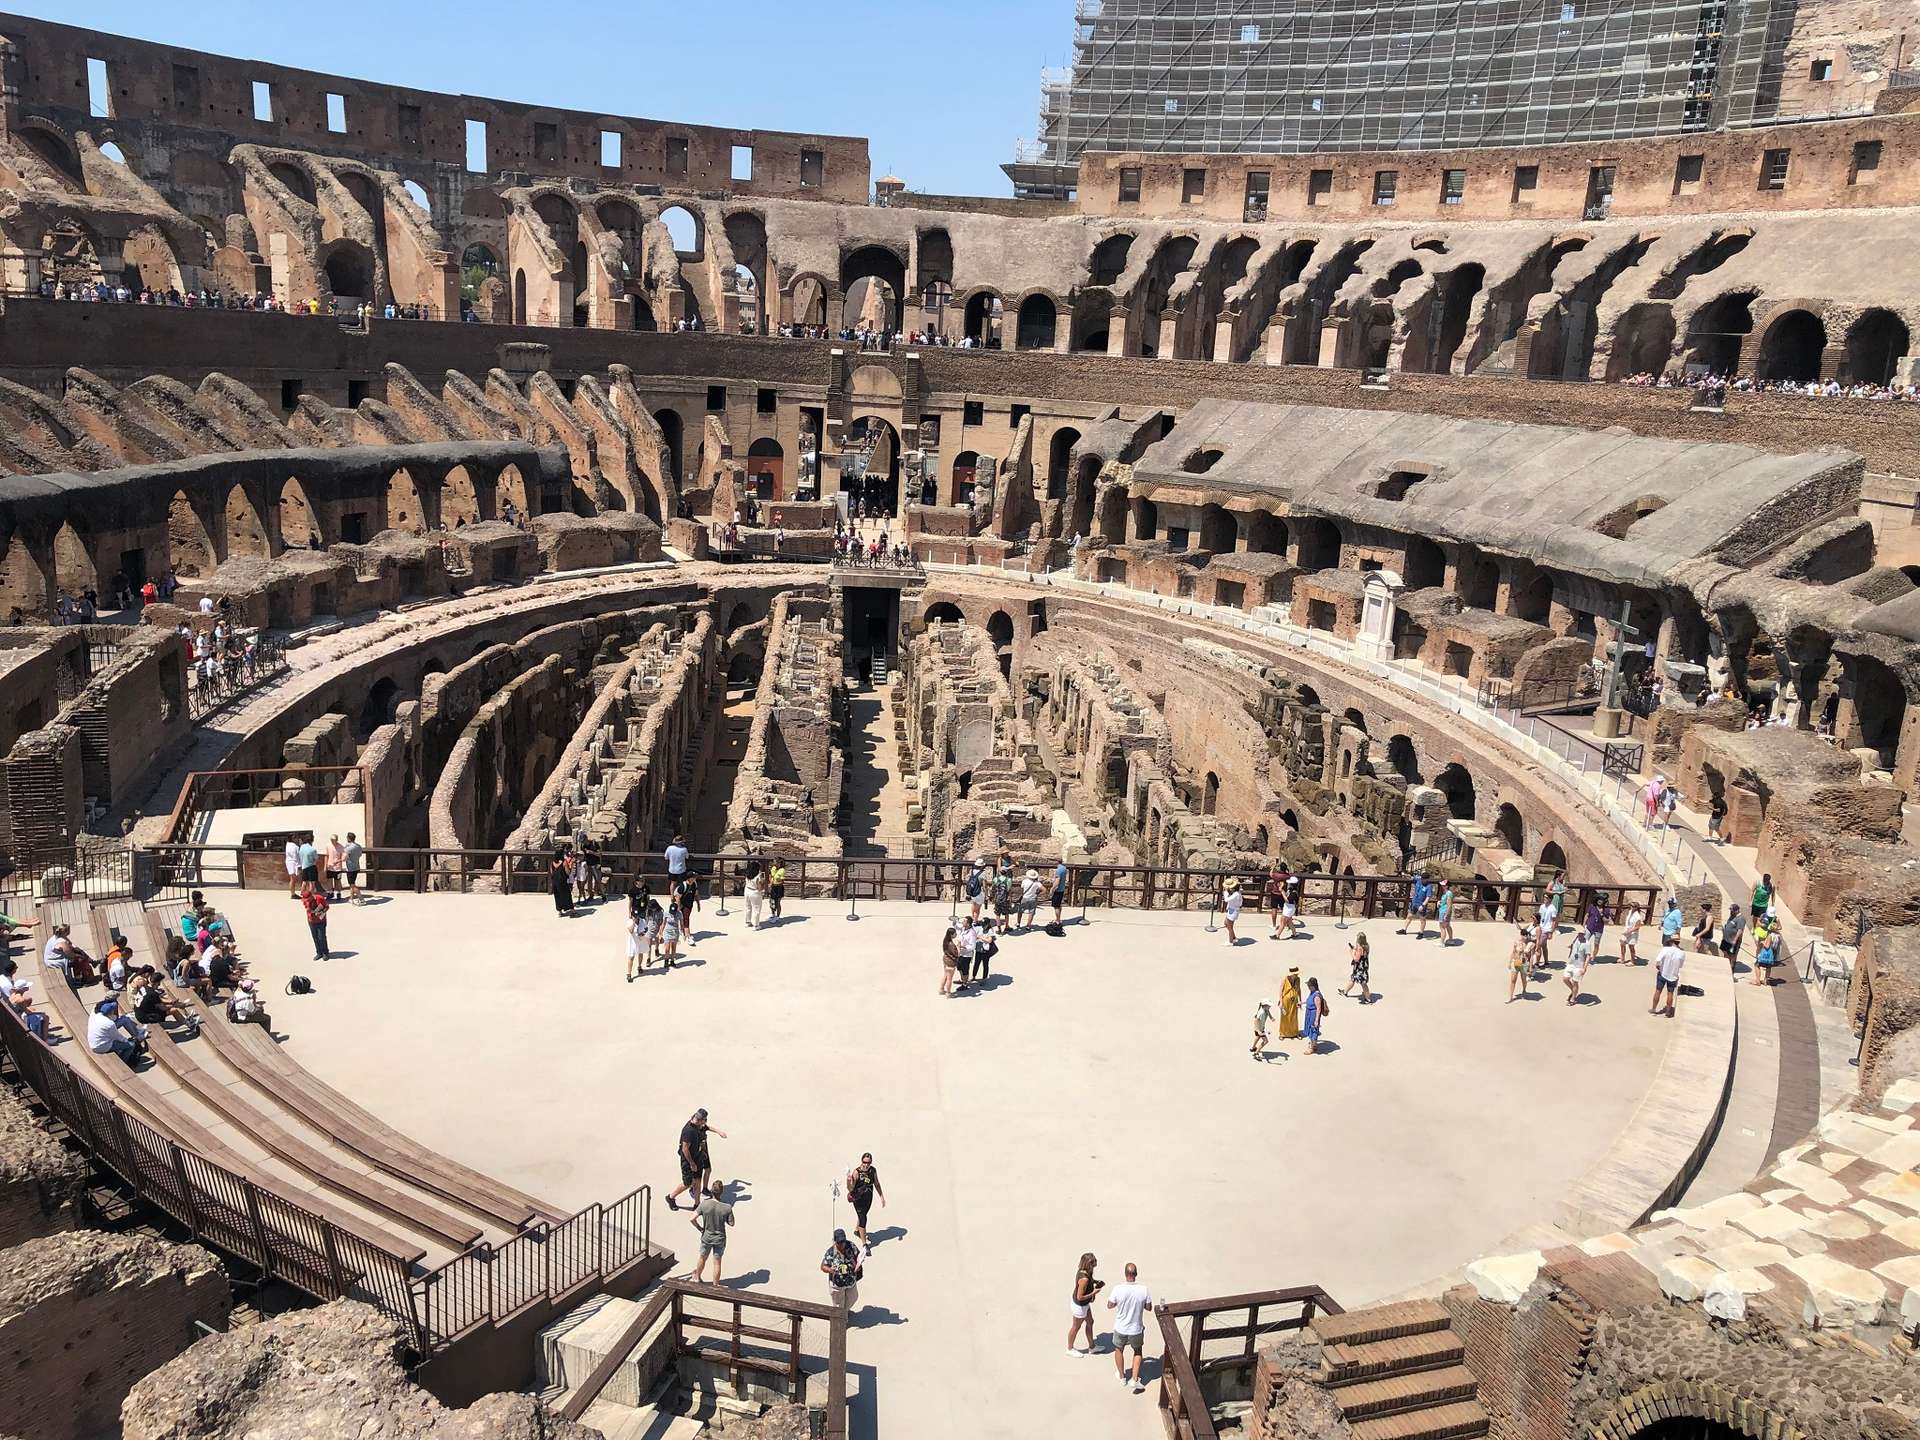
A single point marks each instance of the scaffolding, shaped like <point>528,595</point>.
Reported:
<point>1311,76</point>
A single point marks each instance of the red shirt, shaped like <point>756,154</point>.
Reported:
<point>316,904</point>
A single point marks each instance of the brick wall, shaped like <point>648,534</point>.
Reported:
<point>1884,997</point>
<point>84,1315</point>
<point>1526,1357</point>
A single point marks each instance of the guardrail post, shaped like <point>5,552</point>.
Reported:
<point>259,1226</point>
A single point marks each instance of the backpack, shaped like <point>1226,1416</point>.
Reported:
<point>973,886</point>
<point>299,985</point>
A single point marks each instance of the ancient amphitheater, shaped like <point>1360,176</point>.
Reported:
<point>616,481</point>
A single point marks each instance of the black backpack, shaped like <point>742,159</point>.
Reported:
<point>299,985</point>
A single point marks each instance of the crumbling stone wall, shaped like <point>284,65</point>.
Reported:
<point>84,1315</point>
<point>330,1373</point>
<point>40,1179</point>
<point>1883,999</point>
<point>792,749</point>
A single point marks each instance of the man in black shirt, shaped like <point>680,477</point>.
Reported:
<point>695,1163</point>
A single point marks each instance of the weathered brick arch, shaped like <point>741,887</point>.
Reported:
<point>1691,1400</point>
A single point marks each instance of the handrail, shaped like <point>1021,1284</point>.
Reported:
<point>1183,1405</point>
<point>669,1302</point>
<point>1183,1397</point>
<point>868,877</point>
<point>284,1240</point>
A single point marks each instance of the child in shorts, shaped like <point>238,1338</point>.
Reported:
<point>1262,1018</point>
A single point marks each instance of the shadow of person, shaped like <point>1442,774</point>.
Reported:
<point>868,1316</point>
<point>891,1232</point>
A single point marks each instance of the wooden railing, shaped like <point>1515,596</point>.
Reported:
<point>1194,1379</point>
<point>738,1340</point>
<point>283,1240</point>
<point>852,879</point>
<point>244,789</point>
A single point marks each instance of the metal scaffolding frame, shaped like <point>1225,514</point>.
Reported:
<point>1311,76</point>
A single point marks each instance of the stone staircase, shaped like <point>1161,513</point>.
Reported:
<point>1396,1373</point>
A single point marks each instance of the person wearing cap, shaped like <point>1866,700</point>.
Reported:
<point>1029,899</point>
<point>17,994</point>
<point>841,1266</point>
<point>111,1033</point>
<point>244,1008</point>
<point>976,889</point>
<point>677,860</point>
<point>695,1162</point>
<point>1230,906</point>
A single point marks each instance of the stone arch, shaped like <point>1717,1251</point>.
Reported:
<point>190,548</point>
<point>1218,530</point>
<point>1717,331</point>
<point>295,178</point>
<point>1511,827</point>
<point>1318,539</point>
<point>877,262</point>
<point>686,231</point>
<point>1642,341</point>
<point>1000,629</point>
<point>1879,707</point>
<point>520,297</point>
<point>1146,518</point>
<point>24,585</point>
<point>1059,460</point>
<point>674,433</point>
<point>1426,564</point>
<point>1086,479</point>
<point>1209,793</point>
<point>1456,783</point>
<point>1706,1411</point>
<point>1113,515</point>
<point>943,612</point>
<point>51,144</point>
<point>744,668</point>
<point>1034,328</point>
<point>1530,596</point>
<point>1404,758</point>
<point>1876,343</point>
<point>1458,289</point>
<point>299,522</point>
<point>1092,325</point>
<point>742,614</point>
<point>459,499</point>
<point>872,304</point>
<point>1792,346</point>
<point>980,316</point>
<point>245,532</point>
<point>807,299</point>
<point>510,487</point>
<point>74,569</point>
<point>1109,259</point>
<point>1553,858</point>
<point>406,505</point>
<point>151,260</point>
<point>348,266</point>
<point>378,708</point>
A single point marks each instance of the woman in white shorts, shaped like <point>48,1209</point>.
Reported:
<point>1086,1290</point>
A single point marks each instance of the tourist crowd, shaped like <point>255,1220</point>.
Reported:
<point>1714,389</point>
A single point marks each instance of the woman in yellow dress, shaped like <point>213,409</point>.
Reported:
<point>1290,1005</point>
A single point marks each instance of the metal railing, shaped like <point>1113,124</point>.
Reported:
<point>228,680</point>
<point>856,878</point>
<point>758,1336</point>
<point>61,872</point>
<point>246,789</point>
<point>1191,1376</point>
<point>282,1240</point>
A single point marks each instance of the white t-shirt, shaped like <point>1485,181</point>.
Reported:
<point>244,1004</point>
<point>55,952</point>
<point>102,1033</point>
<point>1129,1303</point>
<point>676,859</point>
<point>1233,904</point>
<point>1672,957</point>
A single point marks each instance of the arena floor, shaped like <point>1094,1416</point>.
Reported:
<point>1099,1096</point>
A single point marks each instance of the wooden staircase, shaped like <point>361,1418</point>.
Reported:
<point>1396,1373</point>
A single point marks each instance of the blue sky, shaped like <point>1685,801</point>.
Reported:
<point>941,90</point>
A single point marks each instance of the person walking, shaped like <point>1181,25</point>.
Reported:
<point>1716,820</point>
<point>1276,894</point>
<point>976,887</point>
<point>636,940</point>
<point>1360,967</point>
<point>1262,1018</point>
<point>1703,930</point>
<point>670,932</point>
<point>352,856</point>
<point>686,900</point>
<point>1059,896</point>
<point>863,1183</point>
<point>1519,964</point>
<point>1762,896</point>
<point>1130,1303</point>
<point>754,893</point>
<point>1316,1014</point>
<point>560,877</point>
<point>1416,905</point>
<point>1666,975</point>
<point>1732,932</point>
<point>1672,922</point>
<point>776,886</point>
<point>1630,935</point>
<point>315,902</point>
<point>695,1161</point>
<point>293,867</point>
<point>1086,1289</point>
<point>676,857</point>
<point>711,1217</point>
<point>966,941</point>
<point>841,1265</point>
<point>1230,905</point>
<point>1443,908</point>
<point>1579,956</point>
